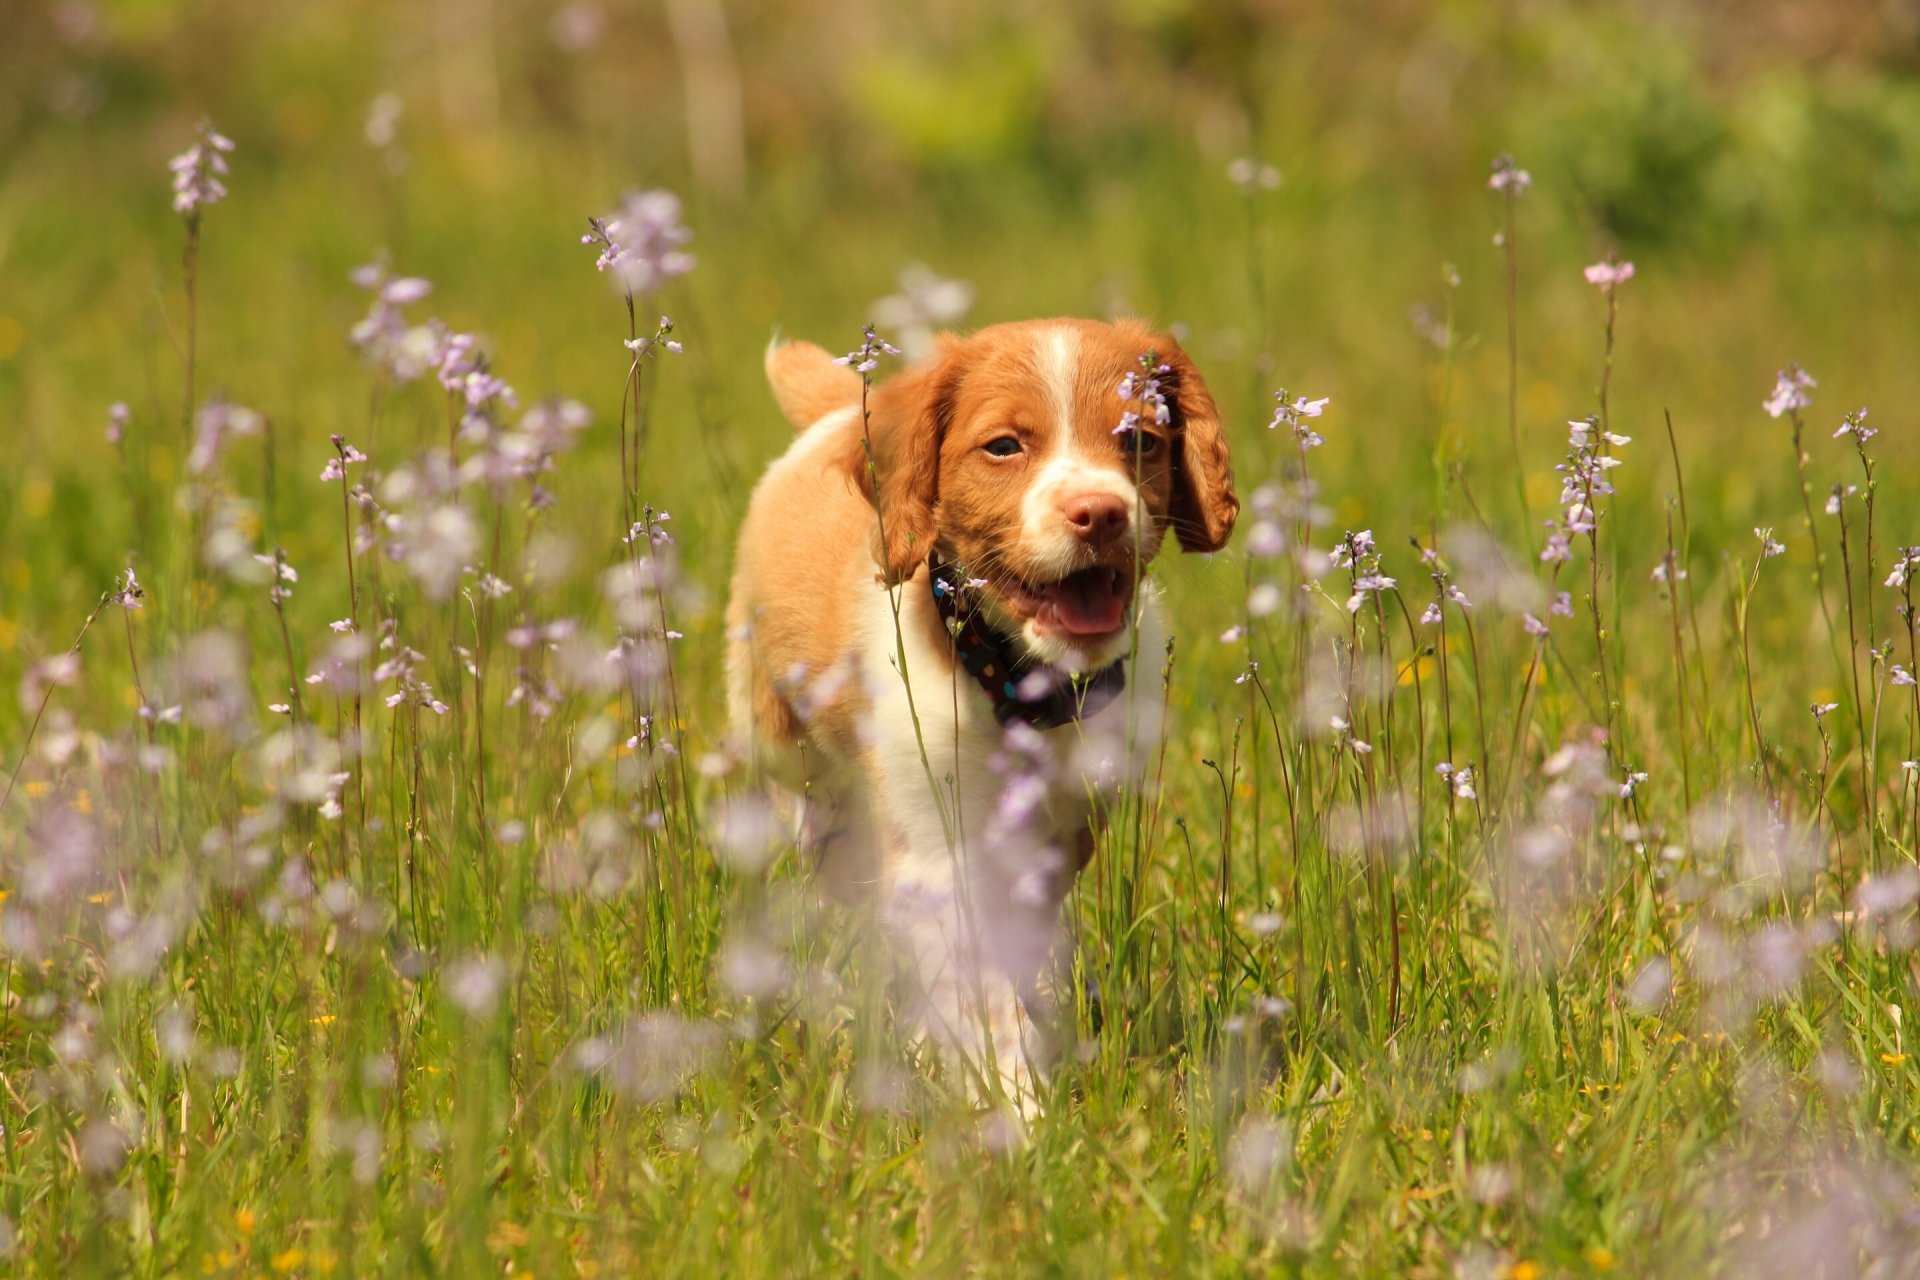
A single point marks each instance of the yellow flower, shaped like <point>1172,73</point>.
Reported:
<point>83,801</point>
<point>287,1259</point>
<point>1893,1059</point>
<point>36,789</point>
<point>323,1019</point>
<point>1600,1258</point>
<point>1524,1270</point>
<point>244,1219</point>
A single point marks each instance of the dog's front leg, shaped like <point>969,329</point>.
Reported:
<point>974,977</point>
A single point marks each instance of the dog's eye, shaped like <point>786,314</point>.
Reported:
<point>1142,444</point>
<point>1003,446</point>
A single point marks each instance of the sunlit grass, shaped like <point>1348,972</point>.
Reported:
<point>528,984</point>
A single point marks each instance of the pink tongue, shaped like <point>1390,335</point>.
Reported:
<point>1088,605</point>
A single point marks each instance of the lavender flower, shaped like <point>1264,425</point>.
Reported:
<point>197,172</point>
<point>1294,417</point>
<point>1609,275</point>
<point>1790,392</point>
<point>1769,547</point>
<point>462,369</point>
<point>865,358</point>
<point>474,984</point>
<point>640,242</point>
<point>1855,425</point>
<point>1142,386</point>
<point>1508,178</point>
<point>1253,176</point>
<point>1903,567</point>
<point>925,303</point>
<point>118,416</point>
<point>129,593</point>
<point>1459,779</point>
<point>282,575</point>
<point>651,344</point>
<point>345,454</point>
<point>384,336</point>
<point>215,424</point>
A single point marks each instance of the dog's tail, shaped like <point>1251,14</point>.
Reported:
<point>807,382</point>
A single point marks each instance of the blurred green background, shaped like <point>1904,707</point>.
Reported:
<point>1760,162</point>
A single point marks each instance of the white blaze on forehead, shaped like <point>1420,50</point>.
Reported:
<point>1066,470</point>
<point>1058,356</point>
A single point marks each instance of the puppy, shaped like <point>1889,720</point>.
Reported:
<point>933,608</point>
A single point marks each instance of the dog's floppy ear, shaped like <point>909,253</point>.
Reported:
<point>900,473</point>
<point>1204,506</point>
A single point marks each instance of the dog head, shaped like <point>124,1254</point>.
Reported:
<point>1004,451</point>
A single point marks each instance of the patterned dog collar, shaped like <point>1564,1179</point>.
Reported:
<point>1019,688</point>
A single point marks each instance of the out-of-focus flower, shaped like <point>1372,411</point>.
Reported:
<point>1903,566</point>
<point>216,424</point>
<point>384,336</point>
<point>1855,425</point>
<point>640,242</point>
<point>197,172</point>
<point>1790,389</point>
<point>1508,178</point>
<point>344,455</point>
<point>474,984</point>
<point>576,28</point>
<point>925,303</point>
<point>1609,275</point>
<point>1253,176</point>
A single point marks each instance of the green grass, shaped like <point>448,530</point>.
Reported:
<point>1465,1075</point>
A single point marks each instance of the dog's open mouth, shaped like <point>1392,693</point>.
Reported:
<point>1087,604</point>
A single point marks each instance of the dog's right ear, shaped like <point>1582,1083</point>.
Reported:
<point>895,457</point>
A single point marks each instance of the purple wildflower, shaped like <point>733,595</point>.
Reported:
<point>1790,389</point>
<point>217,422</point>
<point>344,455</point>
<point>1508,178</point>
<point>197,172</point>
<point>640,242</point>
<point>1609,275</point>
<point>1855,425</point>
<point>924,303</point>
<point>1294,414</point>
<point>865,358</point>
<point>1142,387</point>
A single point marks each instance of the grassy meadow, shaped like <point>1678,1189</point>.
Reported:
<point>378,894</point>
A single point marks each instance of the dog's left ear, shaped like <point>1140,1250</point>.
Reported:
<point>1204,506</point>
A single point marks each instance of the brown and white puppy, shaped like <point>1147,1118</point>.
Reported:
<point>941,760</point>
